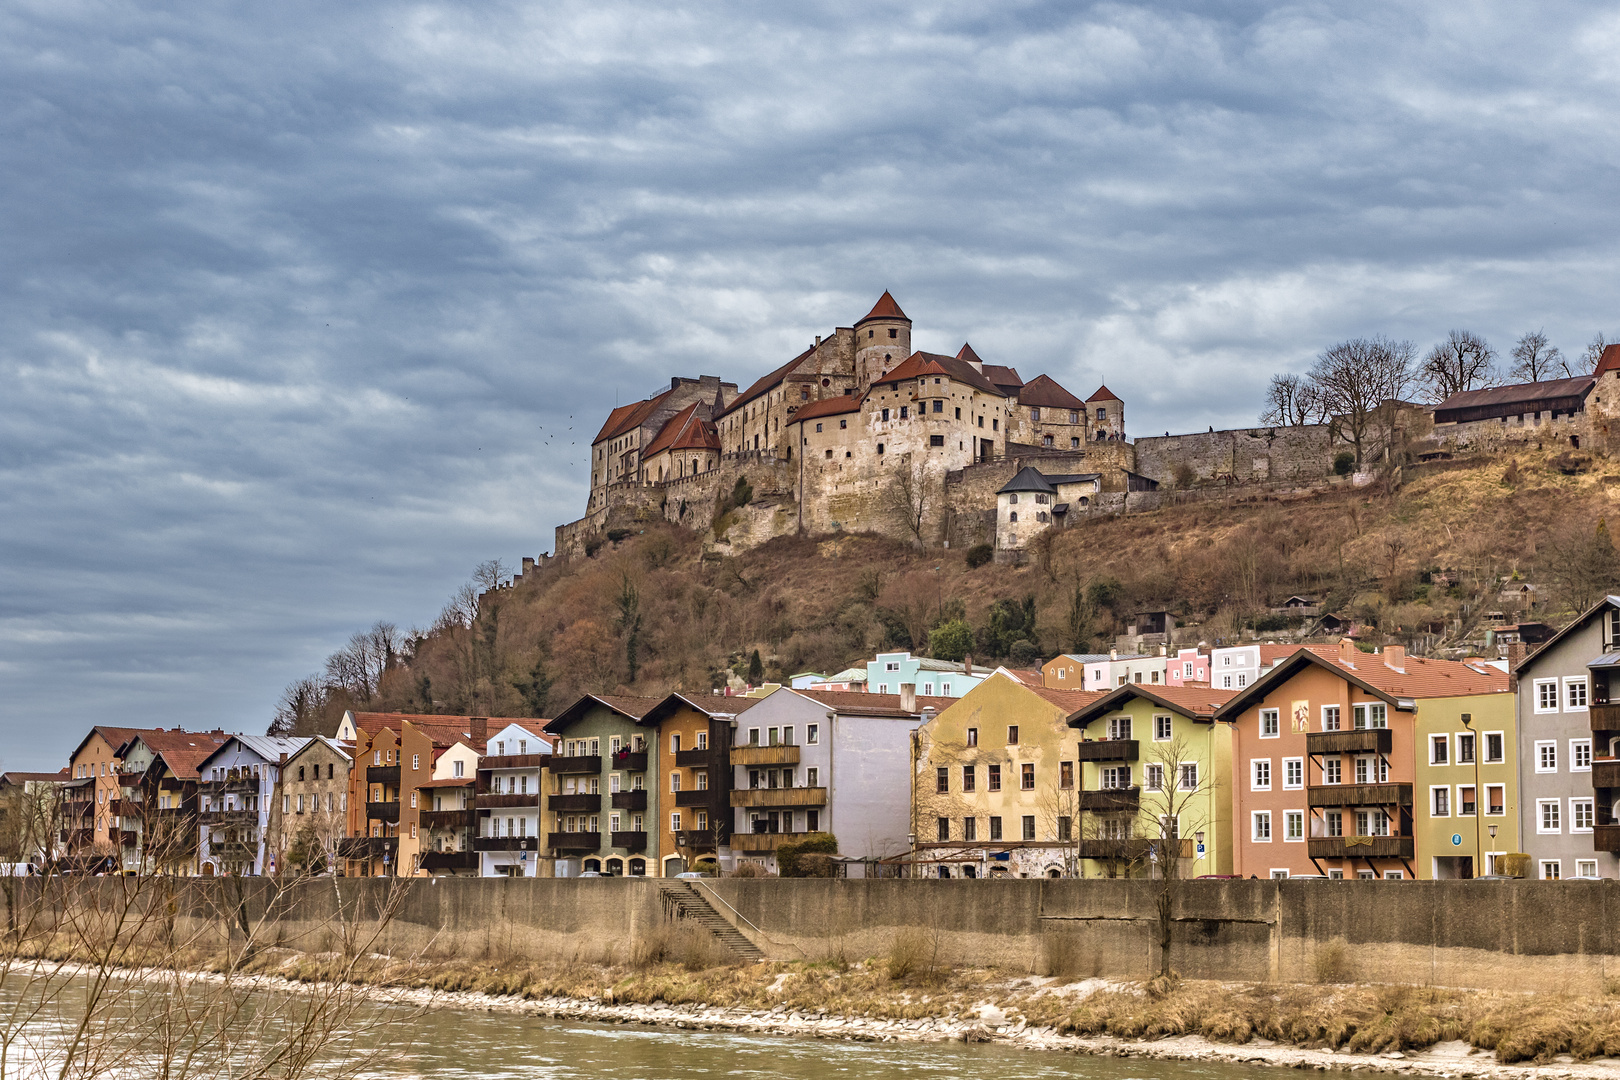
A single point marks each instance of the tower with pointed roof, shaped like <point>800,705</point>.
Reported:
<point>882,340</point>
<point>1105,415</point>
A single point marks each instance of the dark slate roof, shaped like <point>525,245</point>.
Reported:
<point>1029,478</point>
<point>1496,397</point>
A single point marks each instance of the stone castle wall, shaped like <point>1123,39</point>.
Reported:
<point>1243,455</point>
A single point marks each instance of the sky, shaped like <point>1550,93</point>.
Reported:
<point>308,308</point>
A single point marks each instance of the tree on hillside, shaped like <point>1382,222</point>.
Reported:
<point>1582,561</point>
<point>1462,362</point>
<point>629,622</point>
<point>1594,352</point>
<point>1534,360</point>
<point>951,640</point>
<point>913,494</point>
<point>1080,625</point>
<point>300,709</point>
<point>1292,401</point>
<point>1357,380</point>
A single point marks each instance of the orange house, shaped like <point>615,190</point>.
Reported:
<point>1323,760</point>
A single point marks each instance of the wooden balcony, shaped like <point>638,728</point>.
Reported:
<point>1362,741</point>
<point>1360,795</point>
<point>513,761</point>
<point>630,841</point>
<point>762,842</point>
<point>516,843</point>
<point>367,847</point>
<point>769,797</point>
<point>1108,750</point>
<point>697,759</point>
<point>1361,847</point>
<point>697,840</point>
<point>1604,717</point>
<point>629,800</point>
<point>448,819</point>
<point>1606,838</point>
<point>696,797</point>
<point>764,755</point>
<point>1111,800</point>
<point>1605,773</point>
<point>228,817</point>
<point>587,802</point>
<point>1113,849</point>
<point>383,811</point>
<point>579,765</point>
<point>625,761</point>
<point>387,775</point>
<point>450,860</point>
<point>574,841</point>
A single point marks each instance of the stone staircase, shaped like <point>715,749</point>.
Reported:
<point>683,901</point>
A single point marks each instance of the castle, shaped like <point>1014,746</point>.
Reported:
<point>859,433</point>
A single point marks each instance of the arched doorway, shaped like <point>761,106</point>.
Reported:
<point>638,867</point>
<point>615,867</point>
<point>593,865</point>
<point>1053,872</point>
<point>673,865</point>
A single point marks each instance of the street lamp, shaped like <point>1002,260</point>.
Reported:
<point>1479,802</point>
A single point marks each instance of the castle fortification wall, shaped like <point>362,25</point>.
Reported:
<point>1243,455</point>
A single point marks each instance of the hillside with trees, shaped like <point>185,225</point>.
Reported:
<point>1417,563</point>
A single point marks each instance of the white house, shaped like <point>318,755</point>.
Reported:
<point>236,785</point>
<point>513,802</point>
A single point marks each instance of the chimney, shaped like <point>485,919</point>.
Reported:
<point>1395,658</point>
<point>1515,657</point>
<point>1113,654</point>
<point>908,697</point>
<point>818,341</point>
<point>478,728</point>
<point>1347,652</point>
<point>1164,650</point>
<point>283,760</point>
<point>967,664</point>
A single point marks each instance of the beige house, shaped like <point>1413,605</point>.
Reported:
<point>309,814</point>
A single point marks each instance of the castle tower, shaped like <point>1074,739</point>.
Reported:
<point>882,341</point>
<point>1105,415</point>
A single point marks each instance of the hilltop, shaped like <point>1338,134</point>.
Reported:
<point>1418,562</point>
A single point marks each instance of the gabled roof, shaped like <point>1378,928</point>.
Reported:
<point>1198,702</point>
<point>633,707</point>
<point>830,406</point>
<point>180,751</point>
<point>1422,678</point>
<point>1043,392</point>
<point>1070,701</point>
<point>967,354</point>
<point>629,417</point>
<point>58,777</point>
<point>371,722</point>
<point>686,430</point>
<point>885,308</point>
<point>342,749</point>
<point>856,703</point>
<point>1029,478</point>
<point>919,364</point>
<point>708,704</point>
<point>1516,393</point>
<point>1609,361</point>
<point>1580,620</point>
<point>1104,394</point>
<point>760,386</point>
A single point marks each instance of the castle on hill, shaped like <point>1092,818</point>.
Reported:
<point>857,432</point>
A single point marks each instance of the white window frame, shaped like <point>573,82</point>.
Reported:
<point>1556,865</point>
<point>1485,741</point>
<point>1544,745</point>
<point>1287,761</point>
<point>1169,727</point>
<point>1576,745</point>
<point>1255,818</point>
<point>1289,817</point>
<point>1394,875</point>
<point>1273,719</point>
<point>1433,788</point>
<point>1279,873</point>
<point>1457,801</point>
<point>1254,774</point>
<point>1591,813</point>
<point>1557,807</point>
<point>1338,718</point>
<point>1539,693</point>
<point>1581,868</point>
<point>1485,804</point>
<point>1181,776</point>
<point>1439,741</point>
<point>1570,683</point>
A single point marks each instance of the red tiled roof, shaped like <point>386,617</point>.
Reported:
<point>1070,700</point>
<point>1420,678</point>
<point>1104,394</point>
<point>829,406</point>
<point>1043,392</point>
<point>629,417</point>
<point>885,308</point>
<point>1003,376</point>
<point>1196,700</point>
<point>26,777</point>
<point>183,751</point>
<point>760,386</point>
<point>919,364</point>
<point>1610,360</point>
<point>686,430</point>
<point>853,702</point>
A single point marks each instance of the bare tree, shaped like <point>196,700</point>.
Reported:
<point>1178,803</point>
<point>913,494</point>
<point>1582,561</point>
<point>1462,362</point>
<point>1358,380</point>
<point>1594,351</point>
<point>1534,360</point>
<point>1292,402</point>
<point>298,710</point>
<point>490,574</point>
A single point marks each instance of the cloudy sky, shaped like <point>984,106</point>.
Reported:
<point>309,307</point>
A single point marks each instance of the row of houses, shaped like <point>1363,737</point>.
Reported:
<point>1324,760</point>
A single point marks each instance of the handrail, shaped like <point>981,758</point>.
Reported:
<point>744,918</point>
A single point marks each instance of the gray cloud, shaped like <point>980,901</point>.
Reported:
<point>308,308</point>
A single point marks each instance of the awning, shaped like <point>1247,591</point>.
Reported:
<point>1607,660</point>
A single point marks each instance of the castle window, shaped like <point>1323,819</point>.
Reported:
<point>959,414</point>
<point>871,333</point>
<point>903,411</point>
<point>843,424</point>
<point>1102,414</point>
<point>804,393</point>
<point>1034,414</point>
<point>829,454</point>
<point>995,425</point>
<point>885,414</point>
<point>936,440</point>
<point>939,406</point>
<point>1046,440</point>
<point>1074,443</point>
<point>894,333</point>
<point>981,421</point>
<point>1074,417</point>
<point>1041,499</point>
<point>818,429</point>
<point>880,448</point>
<point>1013,498</point>
<point>1013,517</point>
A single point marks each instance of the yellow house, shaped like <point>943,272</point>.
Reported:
<point>994,783</point>
<point>1154,766</point>
<point>1465,784</point>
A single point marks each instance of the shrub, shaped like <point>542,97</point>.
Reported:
<point>742,493</point>
<point>788,861</point>
<point>1343,462</point>
<point>615,535</point>
<point>1024,651</point>
<point>979,554</point>
<point>1184,475</point>
<point>952,641</point>
<point>592,546</point>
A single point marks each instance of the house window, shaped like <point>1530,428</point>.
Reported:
<point>1153,777</point>
<point>1439,745</point>
<point>1580,815</point>
<point>1332,770</point>
<point>1026,776</point>
<point>1119,727</point>
<point>1330,718</point>
<point>1029,826</point>
<point>1012,735</point>
<point>416,762</point>
<point>1260,774</point>
<point>1493,746</point>
<point>942,780</point>
<point>1161,728</point>
<point>968,778</point>
<point>1334,822</point>
<point>1270,723</point>
<point>1575,693</point>
<point>1371,715</point>
<point>1226,682</point>
<point>1465,749</point>
<point>1189,776</point>
<point>1293,773</point>
<point>936,440</point>
<point>674,781</point>
<point>1294,825</point>
<point>1580,755</point>
<point>995,828</point>
<point>812,734</point>
<point>1261,826</point>
<point>1495,800</point>
<point>1549,870</point>
<point>1440,801</point>
<point>675,822</point>
<point>1586,868</point>
<point>973,736</point>
<point>970,828</point>
<point>812,778</point>
<point>1466,806</point>
<point>1546,757</point>
<point>993,780</point>
<point>1548,816</point>
<point>1546,695</point>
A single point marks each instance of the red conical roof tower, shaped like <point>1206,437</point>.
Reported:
<point>885,308</point>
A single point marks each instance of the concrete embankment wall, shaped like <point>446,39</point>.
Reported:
<point>1530,935</point>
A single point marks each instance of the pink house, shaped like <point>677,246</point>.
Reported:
<point>1189,667</point>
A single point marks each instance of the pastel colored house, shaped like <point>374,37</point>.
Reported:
<point>932,678</point>
<point>604,766</point>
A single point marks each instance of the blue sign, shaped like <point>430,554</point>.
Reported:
<point>1456,839</point>
<point>1200,851</point>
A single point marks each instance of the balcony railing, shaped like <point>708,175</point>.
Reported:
<point>234,816</point>
<point>367,847</point>
<point>383,811</point>
<point>1360,795</point>
<point>1361,741</point>
<point>625,761</point>
<point>514,761</point>
<point>688,759</point>
<point>1108,750</point>
<point>574,841</point>
<point>1361,847</point>
<point>448,819</point>
<point>1606,838</point>
<point>764,755</point>
<point>450,860</point>
<point>1604,717</point>
<point>1106,800</point>
<point>793,796</point>
<point>529,800</point>
<point>630,841</point>
<point>696,797</point>
<point>1131,849</point>
<point>757,842</point>
<point>510,843</point>
<point>589,803</point>
<point>698,839</point>
<point>1605,773</point>
<point>629,800</point>
<point>387,775</point>
<point>581,764</point>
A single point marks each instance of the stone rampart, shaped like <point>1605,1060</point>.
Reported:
<point>1243,455</point>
